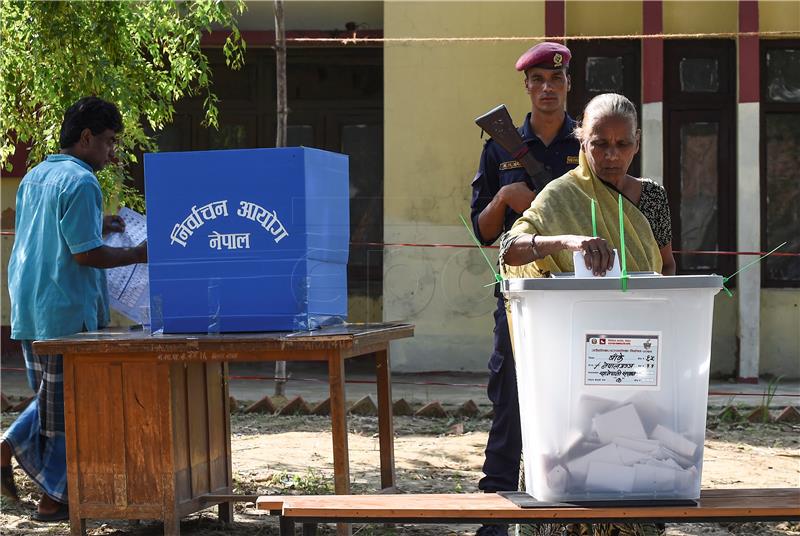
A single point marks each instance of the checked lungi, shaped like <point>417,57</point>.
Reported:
<point>37,437</point>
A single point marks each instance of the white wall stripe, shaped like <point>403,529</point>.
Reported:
<point>748,236</point>
<point>652,149</point>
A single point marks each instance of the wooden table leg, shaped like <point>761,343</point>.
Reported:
<point>77,525</point>
<point>383,374</point>
<point>287,526</point>
<point>341,453</point>
<point>172,524</point>
<point>225,512</point>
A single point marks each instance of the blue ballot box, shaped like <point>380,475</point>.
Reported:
<point>247,240</point>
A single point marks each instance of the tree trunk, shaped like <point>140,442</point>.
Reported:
<point>280,137</point>
<point>280,75</point>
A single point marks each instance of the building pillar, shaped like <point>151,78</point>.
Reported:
<point>555,20</point>
<point>748,191</point>
<point>652,148</point>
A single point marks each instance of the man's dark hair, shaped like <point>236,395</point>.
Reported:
<point>89,112</point>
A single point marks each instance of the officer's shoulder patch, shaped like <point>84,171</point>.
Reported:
<point>511,164</point>
<point>573,160</point>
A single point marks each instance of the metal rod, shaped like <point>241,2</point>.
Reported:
<point>280,136</point>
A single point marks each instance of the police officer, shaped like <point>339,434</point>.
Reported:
<point>499,196</point>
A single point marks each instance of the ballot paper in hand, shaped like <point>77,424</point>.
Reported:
<point>582,271</point>
<point>128,286</point>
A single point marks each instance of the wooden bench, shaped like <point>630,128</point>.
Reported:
<point>722,505</point>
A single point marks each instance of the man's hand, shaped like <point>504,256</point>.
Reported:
<point>517,196</point>
<point>113,224</point>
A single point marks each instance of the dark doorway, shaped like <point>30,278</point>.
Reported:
<point>605,66</point>
<point>780,159</point>
<point>700,163</point>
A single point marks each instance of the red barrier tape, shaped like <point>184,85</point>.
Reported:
<point>677,251</point>
<point>409,245</point>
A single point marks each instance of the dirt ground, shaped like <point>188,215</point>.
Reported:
<point>283,455</point>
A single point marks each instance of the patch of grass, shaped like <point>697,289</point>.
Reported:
<point>245,486</point>
<point>768,396</point>
<point>310,483</point>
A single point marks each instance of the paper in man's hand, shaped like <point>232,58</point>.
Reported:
<point>128,286</point>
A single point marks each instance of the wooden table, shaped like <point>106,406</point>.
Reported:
<point>148,420</point>
<point>714,505</point>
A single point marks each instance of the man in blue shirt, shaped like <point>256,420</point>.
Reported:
<point>499,196</point>
<point>57,287</point>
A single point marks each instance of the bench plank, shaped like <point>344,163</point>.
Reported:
<point>729,504</point>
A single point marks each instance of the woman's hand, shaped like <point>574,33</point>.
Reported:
<point>597,253</point>
<point>524,248</point>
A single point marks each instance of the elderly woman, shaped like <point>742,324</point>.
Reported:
<point>559,220</point>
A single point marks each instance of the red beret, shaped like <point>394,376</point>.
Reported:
<point>546,55</point>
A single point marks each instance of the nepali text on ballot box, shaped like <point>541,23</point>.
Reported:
<point>613,385</point>
<point>247,240</point>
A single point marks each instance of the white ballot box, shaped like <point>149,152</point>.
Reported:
<point>613,385</point>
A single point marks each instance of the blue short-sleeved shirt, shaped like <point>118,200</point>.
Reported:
<point>59,214</point>
<point>498,168</point>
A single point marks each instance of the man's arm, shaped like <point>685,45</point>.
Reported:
<point>516,196</point>
<point>490,201</point>
<point>82,222</point>
<point>108,257</point>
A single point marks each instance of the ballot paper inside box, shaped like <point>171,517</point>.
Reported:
<point>247,240</point>
<point>613,385</point>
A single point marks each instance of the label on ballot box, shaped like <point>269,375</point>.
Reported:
<point>247,240</point>
<point>622,359</point>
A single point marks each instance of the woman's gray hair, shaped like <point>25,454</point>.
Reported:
<point>606,105</point>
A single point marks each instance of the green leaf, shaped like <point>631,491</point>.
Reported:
<point>141,55</point>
